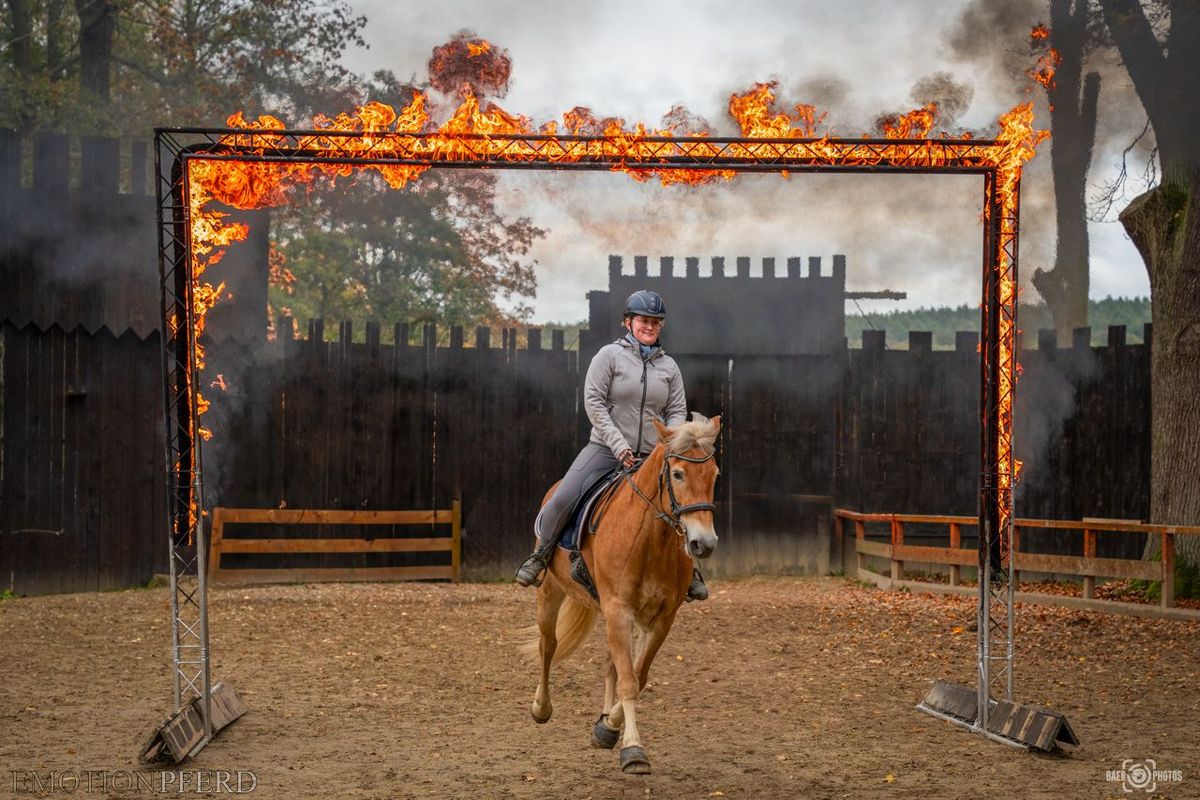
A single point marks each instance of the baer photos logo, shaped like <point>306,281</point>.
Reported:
<point>1142,775</point>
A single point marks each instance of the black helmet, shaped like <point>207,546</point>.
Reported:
<point>645,303</point>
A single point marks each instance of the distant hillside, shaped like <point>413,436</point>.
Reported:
<point>1132,312</point>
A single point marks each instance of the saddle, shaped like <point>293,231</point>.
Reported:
<point>585,510</point>
<point>572,536</point>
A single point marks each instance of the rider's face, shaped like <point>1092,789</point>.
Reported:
<point>645,329</point>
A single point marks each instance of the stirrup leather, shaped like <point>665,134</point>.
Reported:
<point>580,574</point>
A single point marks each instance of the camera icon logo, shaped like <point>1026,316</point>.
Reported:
<point>1139,775</point>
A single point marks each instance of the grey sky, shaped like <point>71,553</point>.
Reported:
<point>855,59</point>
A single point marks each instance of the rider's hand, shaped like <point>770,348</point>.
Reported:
<point>627,458</point>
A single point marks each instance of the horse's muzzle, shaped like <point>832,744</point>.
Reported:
<point>702,545</point>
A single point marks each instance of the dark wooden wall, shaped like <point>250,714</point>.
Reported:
<point>909,436</point>
<point>78,239</point>
<point>82,498</point>
<point>341,420</point>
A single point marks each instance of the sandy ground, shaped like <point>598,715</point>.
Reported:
<point>773,688</point>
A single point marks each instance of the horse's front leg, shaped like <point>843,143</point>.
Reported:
<point>549,601</point>
<point>651,640</point>
<point>620,648</point>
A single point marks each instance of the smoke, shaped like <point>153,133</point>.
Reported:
<point>951,97</point>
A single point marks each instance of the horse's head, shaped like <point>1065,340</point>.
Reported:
<point>689,475</point>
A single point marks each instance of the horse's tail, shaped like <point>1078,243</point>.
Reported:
<point>575,624</point>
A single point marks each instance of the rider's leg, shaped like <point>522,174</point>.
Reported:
<point>592,462</point>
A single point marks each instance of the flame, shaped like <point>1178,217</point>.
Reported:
<point>916,124</point>
<point>477,49</point>
<point>478,132</point>
<point>1047,64</point>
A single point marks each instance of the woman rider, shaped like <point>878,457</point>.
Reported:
<point>628,382</point>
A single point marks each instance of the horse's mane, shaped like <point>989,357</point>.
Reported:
<point>699,432</point>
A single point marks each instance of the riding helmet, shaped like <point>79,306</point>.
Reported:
<point>645,303</point>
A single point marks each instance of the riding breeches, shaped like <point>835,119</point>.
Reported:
<point>593,461</point>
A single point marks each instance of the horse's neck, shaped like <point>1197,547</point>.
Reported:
<point>656,532</point>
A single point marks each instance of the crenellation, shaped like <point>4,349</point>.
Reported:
<point>743,266</point>
<point>839,268</point>
<point>640,266</point>
<point>814,266</point>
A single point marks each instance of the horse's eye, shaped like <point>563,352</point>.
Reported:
<point>677,474</point>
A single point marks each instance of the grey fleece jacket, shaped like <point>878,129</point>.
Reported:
<point>621,392</point>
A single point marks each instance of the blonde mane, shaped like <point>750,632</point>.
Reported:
<point>699,432</point>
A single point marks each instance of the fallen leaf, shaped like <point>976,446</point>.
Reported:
<point>890,778</point>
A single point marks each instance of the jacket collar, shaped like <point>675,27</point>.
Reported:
<point>655,350</point>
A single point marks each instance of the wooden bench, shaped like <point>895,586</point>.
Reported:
<point>280,516</point>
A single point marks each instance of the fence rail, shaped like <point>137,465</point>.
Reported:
<point>341,546</point>
<point>1086,566</point>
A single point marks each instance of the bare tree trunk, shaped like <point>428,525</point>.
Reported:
<point>1164,224</point>
<point>97,23</point>
<point>54,38</point>
<point>21,20</point>
<point>1073,122</point>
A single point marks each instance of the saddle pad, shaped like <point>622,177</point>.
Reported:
<point>572,537</point>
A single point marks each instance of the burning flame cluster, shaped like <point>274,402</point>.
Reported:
<point>475,133</point>
<point>1048,62</point>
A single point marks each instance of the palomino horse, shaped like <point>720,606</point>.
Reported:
<point>640,557</point>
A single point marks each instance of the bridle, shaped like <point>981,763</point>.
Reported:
<point>677,511</point>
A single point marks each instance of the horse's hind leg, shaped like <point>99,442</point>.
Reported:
<point>549,601</point>
<point>607,729</point>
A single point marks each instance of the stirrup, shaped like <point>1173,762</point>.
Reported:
<point>696,589</point>
<point>530,571</point>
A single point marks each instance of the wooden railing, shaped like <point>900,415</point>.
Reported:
<point>1087,565</point>
<point>222,546</point>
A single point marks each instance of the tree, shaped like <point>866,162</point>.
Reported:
<point>1164,225</point>
<point>437,251</point>
<point>125,66</point>
<point>1073,123</point>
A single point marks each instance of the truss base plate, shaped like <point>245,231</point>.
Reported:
<point>182,734</point>
<point>1008,722</point>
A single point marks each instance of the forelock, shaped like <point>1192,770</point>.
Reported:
<point>698,432</point>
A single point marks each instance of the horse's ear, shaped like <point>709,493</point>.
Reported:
<point>664,433</point>
<point>716,424</point>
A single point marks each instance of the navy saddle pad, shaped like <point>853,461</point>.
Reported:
<point>572,536</point>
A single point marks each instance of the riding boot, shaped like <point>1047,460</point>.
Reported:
<point>696,589</point>
<point>528,572</point>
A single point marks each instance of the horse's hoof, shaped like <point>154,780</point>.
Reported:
<point>541,720</point>
<point>604,737</point>
<point>634,761</point>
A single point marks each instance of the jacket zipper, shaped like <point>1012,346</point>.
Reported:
<point>642,410</point>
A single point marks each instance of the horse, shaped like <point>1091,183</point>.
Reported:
<point>640,557</point>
